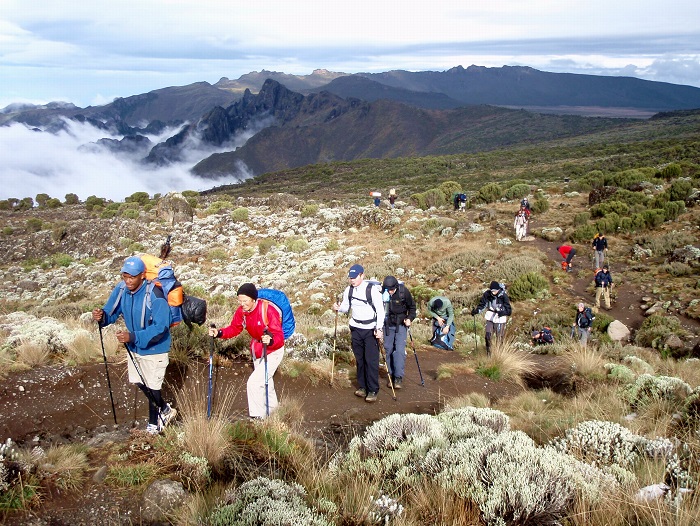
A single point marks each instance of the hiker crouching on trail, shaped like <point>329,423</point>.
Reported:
<point>497,306</point>
<point>146,314</point>
<point>568,253</point>
<point>440,309</point>
<point>262,397</point>
<point>400,313</point>
<point>366,321</point>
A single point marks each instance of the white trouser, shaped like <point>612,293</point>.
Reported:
<point>256,384</point>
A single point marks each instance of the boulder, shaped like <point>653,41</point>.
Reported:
<point>618,331</point>
<point>673,342</point>
<point>174,209</point>
<point>161,499</point>
<point>656,307</point>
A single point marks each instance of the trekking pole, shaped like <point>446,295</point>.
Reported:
<point>211,373</point>
<point>148,392</point>
<point>267,388</point>
<point>415,355</point>
<point>386,364</point>
<point>335,339</point>
<point>109,384</point>
<point>475,340</point>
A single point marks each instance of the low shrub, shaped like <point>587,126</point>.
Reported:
<point>526,286</point>
<point>655,330</point>
<point>240,214</point>
<point>309,210</point>
<point>540,205</point>
<point>489,193</point>
<point>517,191</point>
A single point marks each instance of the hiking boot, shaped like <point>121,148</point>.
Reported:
<point>361,392</point>
<point>371,397</point>
<point>390,382</point>
<point>152,429</point>
<point>166,415</point>
<point>397,382</point>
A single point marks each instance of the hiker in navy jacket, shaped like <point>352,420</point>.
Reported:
<point>146,315</point>
<point>495,302</point>
<point>603,286</point>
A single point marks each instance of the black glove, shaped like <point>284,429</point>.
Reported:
<point>475,312</point>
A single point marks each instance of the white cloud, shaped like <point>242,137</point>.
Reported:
<point>34,162</point>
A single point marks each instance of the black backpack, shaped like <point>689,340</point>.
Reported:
<point>546,335</point>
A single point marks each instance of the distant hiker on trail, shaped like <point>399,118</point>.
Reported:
<point>525,206</point>
<point>400,312</point>
<point>567,252</point>
<point>520,225</point>
<point>582,323</point>
<point>262,398</point>
<point>603,286</point>
<point>440,309</point>
<point>146,315</point>
<point>497,306</point>
<point>600,247</point>
<point>364,301</point>
<point>392,197</point>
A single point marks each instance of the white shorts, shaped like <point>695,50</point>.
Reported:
<point>152,367</point>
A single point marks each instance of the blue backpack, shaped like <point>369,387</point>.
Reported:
<point>279,299</point>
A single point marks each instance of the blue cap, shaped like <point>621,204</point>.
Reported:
<point>355,271</point>
<point>134,265</point>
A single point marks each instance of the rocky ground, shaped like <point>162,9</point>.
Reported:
<point>215,253</point>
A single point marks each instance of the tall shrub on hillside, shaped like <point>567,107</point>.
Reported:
<point>489,193</point>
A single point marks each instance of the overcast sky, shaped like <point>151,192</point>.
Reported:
<point>88,52</point>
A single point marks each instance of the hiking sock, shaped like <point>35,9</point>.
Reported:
<point>155,402</point>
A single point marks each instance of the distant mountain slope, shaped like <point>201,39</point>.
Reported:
<point>386,129</point>
<point>254,80</point>
<point>169,105</point>
<point>525,86</point>
<point>369,90</point>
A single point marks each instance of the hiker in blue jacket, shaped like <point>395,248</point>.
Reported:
<point>146,314</point>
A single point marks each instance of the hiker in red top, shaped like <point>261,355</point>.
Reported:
<point>568,253</point>
<point>263,322</point>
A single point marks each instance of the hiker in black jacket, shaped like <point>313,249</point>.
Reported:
<point>400,312</point>
<point>582,323</point>
<point>600,247</point>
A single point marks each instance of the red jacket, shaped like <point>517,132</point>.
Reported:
<point>564,250</point>
<point>253,322</point>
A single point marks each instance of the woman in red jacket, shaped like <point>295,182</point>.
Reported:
<point>263,322</point>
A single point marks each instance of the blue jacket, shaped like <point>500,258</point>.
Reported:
<point>154,337</point>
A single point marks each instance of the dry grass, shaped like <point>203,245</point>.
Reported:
<point>512,363</point>
<point>29,354</point>
<point>540,414</point>
<point>467,400</point>
<point>449,370</point>
<point>65,466</point>
<point>203,437</point>
<point>83,350</point>
<point>434,505</point>
<point>586,362</point>
<point>317,372</point>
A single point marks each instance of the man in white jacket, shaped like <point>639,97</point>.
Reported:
<point>366,322</point>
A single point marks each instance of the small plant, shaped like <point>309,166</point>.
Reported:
<point>131,475</point>
<point>62,260</point>
<point>34,224</point>
<point>266,245</point>
<point>309,210</point>
<point>240,214</point>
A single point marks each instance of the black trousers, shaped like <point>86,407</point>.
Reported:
<point>366,350</point>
